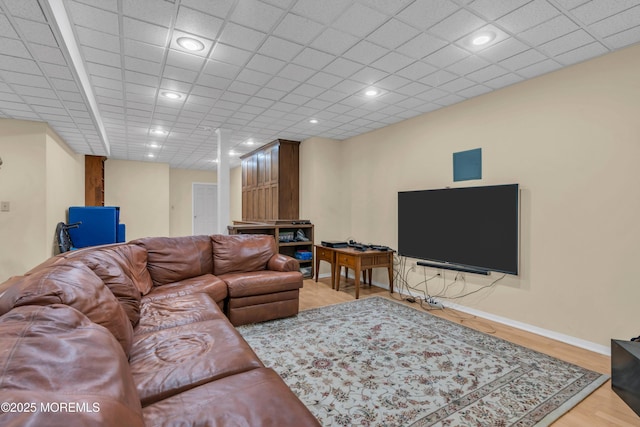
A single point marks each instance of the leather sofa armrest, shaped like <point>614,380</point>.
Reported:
<point>280,262</point>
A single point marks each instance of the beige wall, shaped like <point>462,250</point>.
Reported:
<point>40,178</point>
<point>235,190</point>
<point>141,190</point>
<point>571,140</point>
<point>181,198</point>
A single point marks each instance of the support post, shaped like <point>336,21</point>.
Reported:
<point>224,181</point>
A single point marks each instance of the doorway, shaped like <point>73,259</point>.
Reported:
<point>205,208</point>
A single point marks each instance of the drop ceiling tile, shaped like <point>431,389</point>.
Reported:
<point>101,56</point>
<point>423,14</point>
<point>110,5</point>
<point>457,25</point>
<point>10,63</point>
<point>474,91</point>
<point>582,53</point>
<point>392,62</point>
<point>271,94</point>
<point>276,47</point>
<point>617,23</point>
<point>368,75</point>
<point>416,71</point>
<point>332,96</point>
<point>36,32</point>
<point>324,80</point>
<point>179,74</point>
<point>108,93</point>
<point>48,54</point>
<point>28,9</point>
<point>98,40</point>
<point>141,66</point>
<point>158,13</point>
<point>169,84</point>
<point>359,20</point>
<point>365,52</point>
<point>298,29</point>
<point>140,78</point>
<point>392,34</point>
<point>68,85</point>
<point>6,30</point>
<point>218,8</point>
<point>349,87</point>
<point>334,41</point>
<point>184,60</point>
<point>598,10</point>
<point>392,82</point>
<point>206,81</point>
<point>505,49</point>
<point>421,46</point>
<point>570,4</point>
<point>313,58</point>
<point>624,38</point>
<point>92,17</point>
<point>244,88</point>
<point>104,71</point>
<point>522,60</point>
<point>198,24</point>
<point>528,16</point>
<point>549,30</point>
<point>296,72</point>
<point>265,64</point>
<point>241,37</point>
<point>492,9</point>
<point>446,56</point>
<point>438,78</point>
<point>254,77</point>
<point>12,47</point>
<point>18,78</point>
<point>325,11</point>
<point>230,54</point>
<point>468,65</point>
<point>255,14</point>
<point>566,43</point>
<point>539,68</point>
<point>144,32</point>
<point>282,84</point>
<point>308,90</point>
<point>457,85</point>
<point>413,88</point>
<point>490,72</point>
<point>504,81</point>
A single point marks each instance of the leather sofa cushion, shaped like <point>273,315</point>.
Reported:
<point>170,361</point>
<point>56,354</point>
<point>241,252</point>
<point>75,285</point>
<point>207,283</point>
<point>261,282</point>
<point>255,398</point>
<point>180,310</point>
<point>172,259</point>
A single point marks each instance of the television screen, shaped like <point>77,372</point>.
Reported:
<point>472,226</point>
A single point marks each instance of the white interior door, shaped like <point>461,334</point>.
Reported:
<point>205,201</point>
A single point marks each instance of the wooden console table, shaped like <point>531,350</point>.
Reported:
<point>357,260</point>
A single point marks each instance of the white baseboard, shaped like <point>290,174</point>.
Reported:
<point>577,342</point>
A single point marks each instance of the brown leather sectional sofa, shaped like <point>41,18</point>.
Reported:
<point>142,334</point>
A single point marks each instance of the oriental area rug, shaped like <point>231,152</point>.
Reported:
<point>375,362</point>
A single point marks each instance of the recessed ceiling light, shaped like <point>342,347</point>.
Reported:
<point>313,121</point>
<point>372,92</point>
<point>159,131</point>
<point>233,153</point>
<point>190,44</point>
<point>171,95</point>
<point>150,155</point>
<point>482,38</point>
<point>214,161</point>
<point>250,142</point>
<point>153,145</point>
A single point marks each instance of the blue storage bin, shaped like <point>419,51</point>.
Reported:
<point>99,225</point>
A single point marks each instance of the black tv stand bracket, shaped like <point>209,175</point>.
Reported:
<point>454,267</point>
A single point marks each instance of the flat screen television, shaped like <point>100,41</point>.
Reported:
<point>475,227</point>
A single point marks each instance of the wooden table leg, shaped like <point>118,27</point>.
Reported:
<point>336,274</point>
<point>390,268</point>
<point>317,265</point>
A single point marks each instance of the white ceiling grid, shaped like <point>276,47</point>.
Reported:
<point>269,66</point>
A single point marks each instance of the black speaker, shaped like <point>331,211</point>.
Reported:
<point>625,372</point>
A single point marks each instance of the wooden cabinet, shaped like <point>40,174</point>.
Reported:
<point>285,234</point>
<point>94,180</point>
<point>270,182</point>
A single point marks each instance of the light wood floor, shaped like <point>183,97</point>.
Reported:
<point>602,408</point>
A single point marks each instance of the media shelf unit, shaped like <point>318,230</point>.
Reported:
<point>282,228</point>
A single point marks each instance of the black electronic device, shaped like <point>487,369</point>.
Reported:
<point>334,244</point>
<point>475,228</point>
